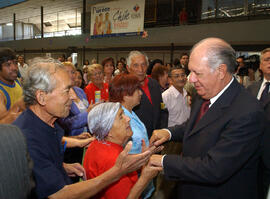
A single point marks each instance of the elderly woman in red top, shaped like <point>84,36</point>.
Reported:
<point>108,68</point>
<point>96,90</point>
<point>110,126</point>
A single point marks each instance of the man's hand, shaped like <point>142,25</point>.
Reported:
<point>149,171</point>
<point>153,149</point>
<point>127,163</point>
<point>83,135</point>
<point>159,137</point>
<point>84,142</point>
<point>155,161</point>
<point>74,170</point>
<point>11,115</point>
<point>74,142</point>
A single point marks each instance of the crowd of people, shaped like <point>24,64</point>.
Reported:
<point>108,131</point>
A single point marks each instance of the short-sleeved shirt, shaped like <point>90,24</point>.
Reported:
<point>90,92</point>
<point>12,93</point>
<point>45,149</point>
<point>177,105</point>
<point>100,157</point>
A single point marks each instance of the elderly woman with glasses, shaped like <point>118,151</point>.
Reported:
<point>111,128</point>
<point>96,90</point>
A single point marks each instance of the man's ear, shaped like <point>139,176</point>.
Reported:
<point>222,69</point>
<point>260,65</point>
<point>41,97</point>
<point>128,69</point>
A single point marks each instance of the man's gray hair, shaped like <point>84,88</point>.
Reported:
<point>266,50</point>
<point>101,117</point>
<point>134,54</point>
<point>39,77</point>
<point>220,53</point>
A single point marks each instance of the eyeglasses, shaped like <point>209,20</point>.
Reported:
<point>179,75</point>
<point>11,62</point>
<point>97,74</point>
<point>266,59</point>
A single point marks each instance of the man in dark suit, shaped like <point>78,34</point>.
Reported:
<point>220,144</point>
<point>261,91</point>
<point>16,166</point>
<point>151,109</point>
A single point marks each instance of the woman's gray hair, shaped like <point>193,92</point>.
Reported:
<point>101,117</point>
<point>134,54</point>
<point>39,77</point>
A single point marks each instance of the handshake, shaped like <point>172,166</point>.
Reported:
<point>150,162</point>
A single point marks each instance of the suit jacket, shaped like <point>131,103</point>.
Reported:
<point>264,166</point>
<point>15,167</point>
<point>152,115</point>
<point>220,154</point>
<point>254,89</point>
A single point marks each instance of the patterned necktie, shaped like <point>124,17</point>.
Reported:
<point>265,93</point>
<point>203,109</point>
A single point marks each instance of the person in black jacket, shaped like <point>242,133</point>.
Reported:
<point>151,110</point>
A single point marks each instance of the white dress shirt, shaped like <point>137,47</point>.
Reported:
<point>262,88</point>
<point>23,69</point>
<point>177,105</point>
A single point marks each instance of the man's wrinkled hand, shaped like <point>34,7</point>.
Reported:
<point>149,171</point>
<point>74,170</point>
<point>156,161</point>
<point>159,137</point>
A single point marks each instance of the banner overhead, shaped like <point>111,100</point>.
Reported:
<point>117,18</point>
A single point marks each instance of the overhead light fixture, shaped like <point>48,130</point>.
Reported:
<point>9,24</point>
<point>73,25</point>
<point>47,24</point>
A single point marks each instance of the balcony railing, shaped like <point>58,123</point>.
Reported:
<point>157,13</point>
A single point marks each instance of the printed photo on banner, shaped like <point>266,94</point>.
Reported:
<point>117,18</point>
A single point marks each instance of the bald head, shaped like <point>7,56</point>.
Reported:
<point>216,52</point>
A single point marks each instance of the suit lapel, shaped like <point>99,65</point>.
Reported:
<point>194,113</point>
<point>256,88</point>
<point>215,111</point>
<point>151,90</point>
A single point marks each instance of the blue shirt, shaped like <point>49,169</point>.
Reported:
<point>45,149</point>
<point>139,132</point>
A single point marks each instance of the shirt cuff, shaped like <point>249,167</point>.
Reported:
<point>162,160</point>
<point>168,132</point>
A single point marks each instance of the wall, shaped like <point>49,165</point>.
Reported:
<point>253,34</point>
<point>237,33</point>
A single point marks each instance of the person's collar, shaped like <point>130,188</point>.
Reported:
<point>145,82</point>
<point>264,81</point>
<point>9,84</point>
<point>213,99</point>
<point>43,115</point>
<point>99,86</point>
<point>176,92</point>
